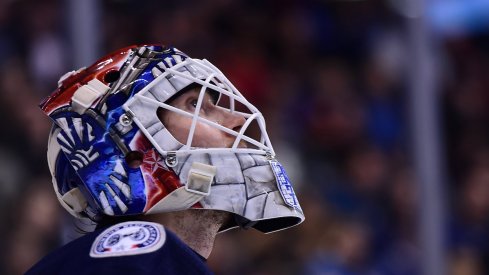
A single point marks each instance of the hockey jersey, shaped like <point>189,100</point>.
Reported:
<point>134,247</point>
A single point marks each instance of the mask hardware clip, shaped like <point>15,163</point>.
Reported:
<point>171,159</point>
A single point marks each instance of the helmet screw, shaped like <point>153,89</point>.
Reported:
<point>171,159</point>
<point>125,120</point>
<point>269,155</point>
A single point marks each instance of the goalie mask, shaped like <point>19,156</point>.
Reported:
<point>148,130</point>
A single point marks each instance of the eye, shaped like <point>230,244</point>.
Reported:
<point>193,103</point>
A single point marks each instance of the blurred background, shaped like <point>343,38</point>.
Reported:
<point>379,110</point>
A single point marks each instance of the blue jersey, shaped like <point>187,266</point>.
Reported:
<point>126,248</point>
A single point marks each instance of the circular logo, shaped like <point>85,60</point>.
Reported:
<point>129,238</point>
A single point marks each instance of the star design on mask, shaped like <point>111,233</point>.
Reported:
<point>153,161</point>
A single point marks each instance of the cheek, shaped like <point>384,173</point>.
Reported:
<point>207,136</point>
<point>179,127</point>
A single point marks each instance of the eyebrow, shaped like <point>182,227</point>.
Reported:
<point>189,88</point>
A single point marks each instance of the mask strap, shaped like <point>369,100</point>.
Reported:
<point>75,199</point>
<point>200,178</point>
<point>86,96</point>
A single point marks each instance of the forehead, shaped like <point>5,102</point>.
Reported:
<point>195,90</point>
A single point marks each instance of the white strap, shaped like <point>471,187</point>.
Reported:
<point>200,178</point>
<point>86,95</point>
<point>75,199</point>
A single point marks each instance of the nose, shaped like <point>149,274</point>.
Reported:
<point>232,120</point>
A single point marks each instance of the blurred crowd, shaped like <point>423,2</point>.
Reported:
<point>331,79</point>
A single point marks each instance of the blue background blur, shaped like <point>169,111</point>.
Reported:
<point>331,78</point>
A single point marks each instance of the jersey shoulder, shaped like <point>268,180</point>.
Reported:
<point>134,247</point>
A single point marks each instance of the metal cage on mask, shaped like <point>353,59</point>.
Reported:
<point>170,82</point>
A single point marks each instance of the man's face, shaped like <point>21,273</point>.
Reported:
<point>205,136</point>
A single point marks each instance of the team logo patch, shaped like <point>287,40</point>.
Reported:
<point>284,185</point>
<point>128,238</point>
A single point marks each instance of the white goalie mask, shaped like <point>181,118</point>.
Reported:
<point>165,170</point>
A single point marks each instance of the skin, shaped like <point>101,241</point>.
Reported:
<point>198,228</point>
<point>205,136</point>
<point>195,227</point>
